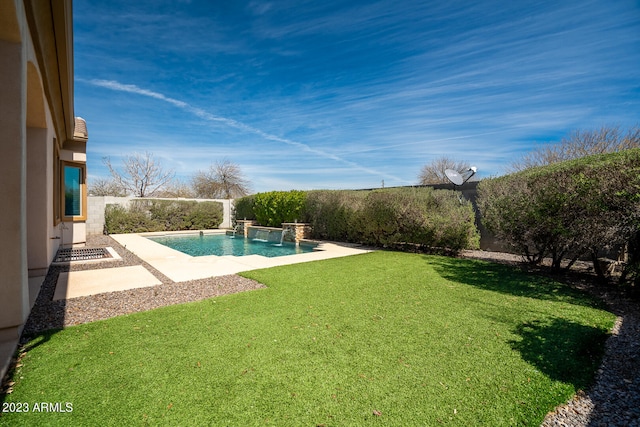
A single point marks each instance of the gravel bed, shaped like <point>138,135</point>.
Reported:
<point>614,399</point>
<point>48,314</point>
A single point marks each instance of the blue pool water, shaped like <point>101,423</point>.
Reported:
<point>220,244</point>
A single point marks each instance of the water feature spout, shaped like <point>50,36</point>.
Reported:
<point>281,238</point>
<point>262,236</point>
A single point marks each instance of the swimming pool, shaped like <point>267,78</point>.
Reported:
<point>221,245</point>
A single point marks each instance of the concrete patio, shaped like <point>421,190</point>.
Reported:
<point>75,284</point>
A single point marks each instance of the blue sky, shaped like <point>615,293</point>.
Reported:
<point>345,94</point>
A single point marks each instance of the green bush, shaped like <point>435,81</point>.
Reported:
<point>243,208</point>
<point>205,215</point>
<point>415,218</point>
<point>424,217</point>
<point>145,215</point>
<point>418,218</point>
<point>119,219</point>
<point>566,210</point>
<point>273,208</point>
<point>169,215</point>
<point>332,214</point>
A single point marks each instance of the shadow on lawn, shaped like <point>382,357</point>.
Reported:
<point>506,279</point>
<point>562,350</point>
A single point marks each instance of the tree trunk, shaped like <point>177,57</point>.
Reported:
<point>596,265</point>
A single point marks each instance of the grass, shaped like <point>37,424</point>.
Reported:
<point>384,338</point>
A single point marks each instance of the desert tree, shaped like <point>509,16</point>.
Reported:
<point>105,187</point>
<point>141,175</point>
<point>433,172</point>
<point>580,143</point>
<point>223,179</point>
<point>177,188</point>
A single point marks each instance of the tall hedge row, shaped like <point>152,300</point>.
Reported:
<point>333,215</point>
<point>273,208</point>
<point>416,217</point>
<point>566,210</point>
<point>162,215</point>
<point>244,208</point>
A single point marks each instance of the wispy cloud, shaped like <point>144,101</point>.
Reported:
<point>311,94</point>
<point>204,115</point>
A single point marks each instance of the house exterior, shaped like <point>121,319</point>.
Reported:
<point>43,146</point>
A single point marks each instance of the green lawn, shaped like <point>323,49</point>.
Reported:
<point>388,339</point>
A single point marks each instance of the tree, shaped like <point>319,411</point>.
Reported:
<point>105,187</point>
<point>142,175</point>
<point>176,189</point>
<point>433,173</point>
<point>222,180</point>
<point>607,139</point>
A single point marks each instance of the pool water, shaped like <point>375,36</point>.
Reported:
<point>221,244</point>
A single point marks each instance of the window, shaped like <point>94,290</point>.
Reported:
<point>57,210</point>
<point>74,192</point>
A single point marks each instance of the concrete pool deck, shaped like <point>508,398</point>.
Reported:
<point>181,267</point>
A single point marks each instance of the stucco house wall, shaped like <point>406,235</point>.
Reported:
<point>38,131</point>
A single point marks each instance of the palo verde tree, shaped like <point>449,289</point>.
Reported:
<point>141,175</point>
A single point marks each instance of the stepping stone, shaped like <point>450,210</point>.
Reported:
<point>75,284</point>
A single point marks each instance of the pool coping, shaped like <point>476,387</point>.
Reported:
<point>181,267</point>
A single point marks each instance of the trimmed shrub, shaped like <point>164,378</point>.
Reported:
<point>426,218</point>
<point>243,208</point>
<point>204,216</point>
<point>273,208</point>
<point>144,215</point>
<point>120,219</point>
<point>566,210</point>
<point>417,218</point>
<point>404,218</point>
<point>332,214</point>
<point>169,215</point>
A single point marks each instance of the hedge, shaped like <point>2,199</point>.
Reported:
<point>162,215</point>
<point>566,210</point>
<point>273,208</point>
<point>244,208</point>
<point>403,218</point>
<point>415,218</point>
<point>333,215</point>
